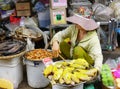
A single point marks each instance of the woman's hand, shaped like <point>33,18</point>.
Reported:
<point>55,49</point>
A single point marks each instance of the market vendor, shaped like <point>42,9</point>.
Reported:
<point>79,40</point>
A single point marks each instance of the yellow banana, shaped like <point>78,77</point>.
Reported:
<point>82,77</point>
<point>92,72</point>
<point>77,66</point>
<point>74,78</point>
<point>58,64</point>
<point>81,61</point>
<point>48,70</point>
<point>69,69</point>
<point>57,74</point>
<point>61,80</point>
<point>67,77</point>
<point>54,69</point>
<point>83,71</point>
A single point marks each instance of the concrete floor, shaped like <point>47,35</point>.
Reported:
<point>106,55</point>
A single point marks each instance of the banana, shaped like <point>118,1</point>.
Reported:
<point>61,80</point>
<point>83,71</point>
<point>58,64</point>
<point>77,66</point>
<point>82,77</point>
<point>57,74</point>
<point>81,61</point>
<point>54,69</point>
<point>67,77</point>
<point>72,72</point>
<point>48,70</point>
<point>64,64</point>
<point>74,78</point>
<point>92,72</point>
<point>69,69</point>
<point>53,82</point>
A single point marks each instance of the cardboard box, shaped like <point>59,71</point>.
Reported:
<point>23,9</point>
<point>58,16</point>
<point>23,6</point>
<point>58,4</point>
<point>23,13</point>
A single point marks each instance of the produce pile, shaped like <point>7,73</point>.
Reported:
<point>22,32</point>
<point>70,72</point>
<point>38,54</point>
<point>107,77</point>
<point>11,47</point>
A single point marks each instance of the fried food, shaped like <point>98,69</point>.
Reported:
<point>38,54</point>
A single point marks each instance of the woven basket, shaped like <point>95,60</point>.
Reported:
<point>12,56</point>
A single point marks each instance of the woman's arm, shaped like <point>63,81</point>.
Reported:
<point>96,52</point>
<point>59,37</point>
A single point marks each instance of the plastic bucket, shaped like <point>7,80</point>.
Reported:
<point>12,70</point>
<point>35,76</point>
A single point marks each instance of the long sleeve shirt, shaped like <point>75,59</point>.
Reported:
<point>90,43</point>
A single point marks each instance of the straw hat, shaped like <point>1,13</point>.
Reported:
<point>86,23</point>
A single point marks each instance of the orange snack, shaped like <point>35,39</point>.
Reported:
<point>38,54</point>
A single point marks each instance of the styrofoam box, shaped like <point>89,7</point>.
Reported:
<point>35,75</point>
<point>12,69</point>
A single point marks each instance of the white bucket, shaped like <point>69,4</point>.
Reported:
<point>60,86</point>
<point>12,69</point>
<point>35,76</point>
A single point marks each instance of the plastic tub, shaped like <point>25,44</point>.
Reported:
<point>12,70</point>
<point>35,76</point>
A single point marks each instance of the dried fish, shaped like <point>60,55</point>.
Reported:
<point>10,47</point>
<point>7,47</point>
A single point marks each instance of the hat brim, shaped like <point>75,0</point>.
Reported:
<point>85,23</point>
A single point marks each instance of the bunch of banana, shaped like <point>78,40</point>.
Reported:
<point>81,62</point>
<point>67,77</point>
<point>82,77</point>
<point>75,79</point>
<point>57,74</point>
<point>71,72</point>
<point>48,70</point>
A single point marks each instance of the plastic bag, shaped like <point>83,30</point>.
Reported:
<point>115,5</point>
<point>102,12</point>
<point>30,45</point>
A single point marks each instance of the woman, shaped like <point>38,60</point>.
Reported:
<point>82,41</point>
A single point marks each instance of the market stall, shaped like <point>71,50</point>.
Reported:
<point>22,24</point>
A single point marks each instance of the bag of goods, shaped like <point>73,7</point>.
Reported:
<point>70,72</point>
<point>107,77</point>
<point>116,74</point>
<point>115,5</point>
<point>22,32</point>
<point>102,12</point>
